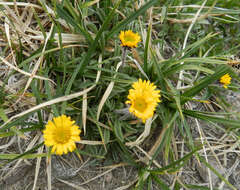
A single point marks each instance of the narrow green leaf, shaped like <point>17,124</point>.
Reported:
<point>3,116</point>
<point>72,10</point>
<point>133,16</point>
<point>27,156</point>
<point>17,132</point>
<point>118,130</point>
<point>198,187</point>
<point>176,97</point>
<point>15,122</point>
<point>141,180</point>
<point>187,133</point>
<point>188,67</point>
<point>169,134</point>
<point>39,23</point>
<point>204,60</point>
<point>106,135</point>
<point>163,13</point>
<point>168,122</point>
<point>24,154</point>
<point>158,70</point>
<point>220,71</point>
<point>126,155</point>
<point>48,91</point>
<point>160,182</point>
<point>175,163</point>
<point>207,117</point>
<point>99,129</point>
<point>88,3</point>
<point>37,95</point>
<point>149,182</point>
<point>89,154</point>
<point>80,68</point>
<point>217,173</point>
<point>64,15</point>
<point>146,49</point>
<point>11,133</point>
<point>38,53</point>
<point>187,53</point>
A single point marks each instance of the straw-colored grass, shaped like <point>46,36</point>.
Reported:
<point>65,57</point>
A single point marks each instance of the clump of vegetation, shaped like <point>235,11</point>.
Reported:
<point>144,84</point>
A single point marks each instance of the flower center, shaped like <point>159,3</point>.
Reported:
<point>140,104</point>
<point>129,38</point>
<point>62,135</point>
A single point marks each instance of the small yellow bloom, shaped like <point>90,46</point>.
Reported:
<point>129,38</point>
<point>225,80</point>
<point>61,134</point>
<point>143,99</point>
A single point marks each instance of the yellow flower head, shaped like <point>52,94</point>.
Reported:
<point>143,99</point>
<point>129,38</point>
<point>225,80</point>
<point>61,134</point>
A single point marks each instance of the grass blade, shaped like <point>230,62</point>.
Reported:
<point>133,16</point>
<point>223,69</point>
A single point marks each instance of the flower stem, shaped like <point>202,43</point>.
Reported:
<point>124,53</point>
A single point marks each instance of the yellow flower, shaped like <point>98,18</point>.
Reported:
<point>225,80</point>
<point>129,38</point>
<point>61,134</point>
<point>143,99</point>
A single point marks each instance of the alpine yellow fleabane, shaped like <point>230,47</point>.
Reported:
<point>143,99</point>
<point>129,38</point>
<point>61,134</point>
<point>225,80</point>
